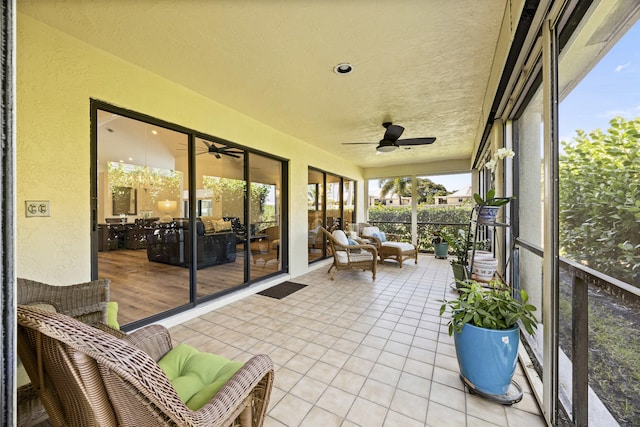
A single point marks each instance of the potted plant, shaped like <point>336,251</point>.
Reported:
<point>459,245</point>
<point>440,245</point>
<point>485,325</point>
<point>490,204</point>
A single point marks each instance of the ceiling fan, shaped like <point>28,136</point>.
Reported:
<point>391,140</point>
<point>216,151</point>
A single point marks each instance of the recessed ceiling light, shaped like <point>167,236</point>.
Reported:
<point>344,68</point>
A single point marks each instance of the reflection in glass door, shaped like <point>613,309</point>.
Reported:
<point>316,219</point>
<point>265,216</point>
<point>141,169</point>
<point>220,190</point>
<point>175,222</point>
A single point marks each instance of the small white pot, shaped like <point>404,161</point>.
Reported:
<point>485,268</point>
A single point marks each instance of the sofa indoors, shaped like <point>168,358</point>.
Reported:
<point>170,243</point>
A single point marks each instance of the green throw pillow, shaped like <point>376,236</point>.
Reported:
<point>112,315</point>
<point>196,376</point>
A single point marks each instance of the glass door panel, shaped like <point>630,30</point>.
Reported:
<point>220,205</point>
<point>265,213</point>
<point>315,207</point>
<point>139,213</point>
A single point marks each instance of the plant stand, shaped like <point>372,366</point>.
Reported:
<point>513,395</point>
<point>477,228</point>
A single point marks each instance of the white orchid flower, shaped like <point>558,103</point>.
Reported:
<point>491,165</point>
<point>503,153</point>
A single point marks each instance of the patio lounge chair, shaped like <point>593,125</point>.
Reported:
<point>87,302</point>
<point>388,245</point>
<point>86,377</point>
<point>346,256</point>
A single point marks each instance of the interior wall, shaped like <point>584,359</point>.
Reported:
<point>57,76</point>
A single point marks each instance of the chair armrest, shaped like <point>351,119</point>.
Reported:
<point>108,329</point>
<point>393,237</point>
<point>374,240</point>
<point>154,340</point>
<point>255,376</point>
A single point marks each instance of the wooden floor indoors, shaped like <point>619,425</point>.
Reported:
<point>143,288</point>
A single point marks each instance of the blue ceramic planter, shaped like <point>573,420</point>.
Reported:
<point>487,214</point>
<point>441,250</point>
<point>487,358</point>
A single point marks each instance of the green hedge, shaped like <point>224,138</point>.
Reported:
<point>430,220</point>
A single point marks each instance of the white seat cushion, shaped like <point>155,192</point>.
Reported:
<point>368,231</point>
<point>340,237</point>
<point>354,257</point>
<point>401,245</point>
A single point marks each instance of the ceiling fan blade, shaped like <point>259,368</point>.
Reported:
<point>416,141</point>
<point>393,132</point>
<point>206,143</point>
<point>227,153</point>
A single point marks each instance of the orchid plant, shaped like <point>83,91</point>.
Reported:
<point>492,164</point>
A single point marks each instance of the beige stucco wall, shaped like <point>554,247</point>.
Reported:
<point>56,77</point>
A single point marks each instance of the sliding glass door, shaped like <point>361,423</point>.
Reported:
<point>180,217</point>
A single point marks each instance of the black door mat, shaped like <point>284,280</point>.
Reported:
<point>282,290</point>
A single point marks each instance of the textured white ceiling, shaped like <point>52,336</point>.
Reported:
<point>423,64</point>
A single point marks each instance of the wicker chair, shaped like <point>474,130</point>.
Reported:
<point>86,377</point>
<point>86,302</point>
<point>392,248</point>
<point>346,256</point>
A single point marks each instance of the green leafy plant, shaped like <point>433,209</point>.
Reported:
<point>490,199</point>
<point>458,243</point>
<point>437,238</point>
<point>491,307</point>
<point>600,199</point>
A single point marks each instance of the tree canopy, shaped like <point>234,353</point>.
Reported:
<point>401,186</point>
<point>600,199</point>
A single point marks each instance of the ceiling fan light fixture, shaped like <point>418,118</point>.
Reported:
<point>387,148</point>
<point>344,68</point>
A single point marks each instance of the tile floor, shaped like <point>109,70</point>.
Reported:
<point>353,352</point>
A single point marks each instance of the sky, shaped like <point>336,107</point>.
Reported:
<point>611,89</point>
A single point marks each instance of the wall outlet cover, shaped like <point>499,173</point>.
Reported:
<point>37,208</point>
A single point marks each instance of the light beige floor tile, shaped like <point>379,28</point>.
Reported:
<point>385,374</point>
<point>414,384</point>
<point>366,413</point>
<point>308,389</point>
<point>300,363</point>
<point>285,378</point>
<point>418,368</point>
<point>483,409</point>
<point>516,417</point>
<point>440,415</point>
<point>320,417</point>
<point>349,381</point>
<point>335,358</point>
<point>448,396</point>
<point>336,401</point>
<point>290,411</point>
<point>410,405</point>
<point>377,392</point>
<point>392,360</point>
<point>323,372</point>
<point>395,419</point>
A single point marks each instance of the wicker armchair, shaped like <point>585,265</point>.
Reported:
<point>86,302</point>
<point>346,256</point>
<point>392,248</point>
<point>86,377</point>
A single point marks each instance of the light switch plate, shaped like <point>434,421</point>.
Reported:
<point>37,208</point>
